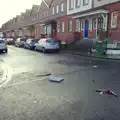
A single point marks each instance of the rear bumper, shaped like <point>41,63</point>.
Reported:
<point>1,49</point>
<point>21,45</point>
<point>10,42</point>
<point>32,47</point>
<point>52,49</point>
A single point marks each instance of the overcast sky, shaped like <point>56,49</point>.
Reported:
<point>11,8</point>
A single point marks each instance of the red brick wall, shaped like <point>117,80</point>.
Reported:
<point>114,33</point>
<point>92,34</point>
<point>37,33</point>
<point>69,36</point>
<point>53,30</point>
<point>66,35</point>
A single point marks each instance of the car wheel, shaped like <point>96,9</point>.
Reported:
<point>35,49</point>
<point>43,50</point>
<point>6,51</point>
<point>29,48</point>
<point>57,51</point>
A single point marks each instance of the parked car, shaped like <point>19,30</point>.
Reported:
<point>20,42</point>
<point>10,41</point>
<point>47,44</point>
<point>30,43</point>
<point>3,46</point>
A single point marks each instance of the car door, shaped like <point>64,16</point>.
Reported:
<point>28,44</point>
<point>17,43</point>
<point>39,44</point>
<point>36,45</point>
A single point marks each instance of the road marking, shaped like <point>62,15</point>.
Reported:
<point>23,82</point>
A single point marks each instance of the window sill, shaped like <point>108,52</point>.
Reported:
<point>85,4</point>
<point>113,27</point>
<point>77,7</point>
<point>70,8</point>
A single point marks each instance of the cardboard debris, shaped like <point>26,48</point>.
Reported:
<point>55,79</point>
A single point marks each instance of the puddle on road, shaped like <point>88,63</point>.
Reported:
<point>26,77</point>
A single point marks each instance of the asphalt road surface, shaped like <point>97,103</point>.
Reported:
<point>27,95</point>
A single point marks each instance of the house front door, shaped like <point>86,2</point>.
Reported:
<point>86,29</point>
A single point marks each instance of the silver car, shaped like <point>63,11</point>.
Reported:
<point>47,44</point>
<point>3,46</point>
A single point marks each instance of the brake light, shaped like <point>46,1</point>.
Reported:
<point>46,41</point>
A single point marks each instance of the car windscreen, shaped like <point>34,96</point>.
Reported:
<point>22,39</point>
<point>2,41</point>
<point>52,41</point>
<point>9,39</point>
<point>35,40</point>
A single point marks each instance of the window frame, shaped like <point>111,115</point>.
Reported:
<point>114,26</point>
<point>70,27</point>
<point>62,7</point>
<point>82,23</point>
<point>57,9</point>
<point>58,27</point>
<point>77,25</point>
<point>76,3</point>
<point>84,2</point>
<point>94,26</point>
<point>63,26</point>
<point>71,5</point>
<point>53,10</point>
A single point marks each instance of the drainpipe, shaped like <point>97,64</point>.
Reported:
<point>107,25</point>
<point>96,27</point>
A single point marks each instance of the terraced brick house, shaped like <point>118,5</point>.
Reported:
<point>33,19</point>
<point>45,25</point>
<point>59,13</point>
<point>92,18</point>
<point>50,10</point>
<point>113,15</point>
<point>19,25</point>
<point>76,27</point>
<point>81,22</point>
<point>27,21</point>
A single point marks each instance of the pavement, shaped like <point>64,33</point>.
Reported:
<point>93,55</point>
<point>29,96</point>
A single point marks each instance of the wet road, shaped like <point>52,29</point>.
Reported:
<point>29,96</point>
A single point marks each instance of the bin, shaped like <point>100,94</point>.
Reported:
<point>63,45</point>
<point>101,48</point>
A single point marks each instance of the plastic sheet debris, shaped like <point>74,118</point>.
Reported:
<point>106,91</point>
<point>95,66</point>
<point>55,79</point>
